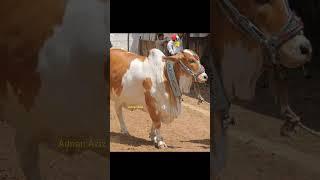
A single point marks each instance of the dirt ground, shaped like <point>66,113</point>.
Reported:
<point>190,132</point>
<point>255,148</point>
<point>54,166</point>
<point>257,151</point>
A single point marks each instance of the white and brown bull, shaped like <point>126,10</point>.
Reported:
<point>242,59</point>
<point>250,37</point>
<point>144,82</point>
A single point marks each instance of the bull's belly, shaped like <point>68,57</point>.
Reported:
<point>133,101</point>
<point>132,96</point>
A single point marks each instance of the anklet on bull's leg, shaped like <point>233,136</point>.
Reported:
<point>159,143</point>
<point>158,140</point>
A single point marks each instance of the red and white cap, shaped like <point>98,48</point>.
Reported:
<point>174,37</point>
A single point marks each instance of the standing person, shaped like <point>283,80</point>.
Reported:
<point>184,39</point>
<point>175,45</point>
<point>161,42</point>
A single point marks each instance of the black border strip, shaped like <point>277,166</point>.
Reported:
<point>160,16</point>
<point>164,165</point>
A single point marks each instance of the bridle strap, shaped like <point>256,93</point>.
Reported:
<point>189,71</point>
<point>270,44</point>
<point>173,79</point>
<point>240,21</point>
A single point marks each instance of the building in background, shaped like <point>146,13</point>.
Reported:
<point>141,43</point>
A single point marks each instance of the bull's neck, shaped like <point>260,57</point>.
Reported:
<point>177,71</point>
<point>226,34</point>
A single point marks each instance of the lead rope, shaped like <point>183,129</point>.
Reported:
<point>199,97</point>
<point>311,131</point>
<point>196,85</point>
<point>283,75</point>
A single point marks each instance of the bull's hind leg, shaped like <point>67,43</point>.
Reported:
<point>123,127</point>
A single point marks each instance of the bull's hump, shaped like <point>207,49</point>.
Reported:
<point>155,54</point>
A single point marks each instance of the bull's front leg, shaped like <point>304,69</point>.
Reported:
<point>155,135</point>
<point>158,139</point>
<point>291,121</point>
<point>280,90</point>
<point>152,133</point>
<point>290,117</point>
<point>28,155</point>
<point>156,122</point>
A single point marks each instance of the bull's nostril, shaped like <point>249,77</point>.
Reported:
<point>205,77</point>
<point>304,50</point>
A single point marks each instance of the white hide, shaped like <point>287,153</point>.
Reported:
<point>241,69</point>
<point>185,83</point>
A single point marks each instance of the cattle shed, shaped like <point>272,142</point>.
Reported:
<point>141,43</point>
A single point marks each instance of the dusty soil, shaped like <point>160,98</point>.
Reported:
<point>54,166</point>
<point>255,148</point>
<point>189,133</point>
<point>257,151</point>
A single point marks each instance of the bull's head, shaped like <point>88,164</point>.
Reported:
<point>274,17</point>
<point>188,69</point>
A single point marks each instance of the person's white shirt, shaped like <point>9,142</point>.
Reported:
<point>175,47</point>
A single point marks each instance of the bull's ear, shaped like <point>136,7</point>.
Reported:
<point>173,58</point>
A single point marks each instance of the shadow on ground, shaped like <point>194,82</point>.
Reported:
<point>128,140</point>
<point>133,141</point>
<point>201,141</point>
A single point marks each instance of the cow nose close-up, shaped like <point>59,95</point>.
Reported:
<point>305,49</point>
<point>203,77</point>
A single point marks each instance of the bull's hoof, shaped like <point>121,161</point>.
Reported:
<point>161,145</point>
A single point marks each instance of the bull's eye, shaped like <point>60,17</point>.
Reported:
<point>262,2</point>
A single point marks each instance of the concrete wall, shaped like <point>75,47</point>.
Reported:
<point>120,40</point>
